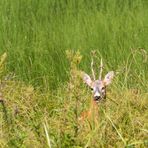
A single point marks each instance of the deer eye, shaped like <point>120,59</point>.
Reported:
<point>91,89</point>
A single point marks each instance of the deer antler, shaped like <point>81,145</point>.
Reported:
<point>93,73</point>
<point>101,69</point>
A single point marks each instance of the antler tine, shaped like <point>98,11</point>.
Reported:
<point>101,69</point>
<point>93,73</point>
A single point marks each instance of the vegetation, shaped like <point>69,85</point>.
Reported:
<point>47,45</point>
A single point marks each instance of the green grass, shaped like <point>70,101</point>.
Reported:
<point>35,35</point>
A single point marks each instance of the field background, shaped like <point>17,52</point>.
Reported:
<point>35,34</point>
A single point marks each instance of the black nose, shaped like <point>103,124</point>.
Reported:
<point>96,98</point>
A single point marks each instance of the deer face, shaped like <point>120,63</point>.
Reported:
<point>99,86</point>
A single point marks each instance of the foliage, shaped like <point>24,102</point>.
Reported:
<point>36,33</point>
<point>31,118</point>
<point>42,94</point>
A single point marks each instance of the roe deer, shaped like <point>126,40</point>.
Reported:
<point>98,88</point>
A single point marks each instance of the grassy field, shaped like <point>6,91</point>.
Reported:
<point>42,90</point>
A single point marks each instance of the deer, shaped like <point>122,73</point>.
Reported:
<point>98,87</point>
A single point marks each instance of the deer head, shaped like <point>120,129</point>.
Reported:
<point>98,86</point>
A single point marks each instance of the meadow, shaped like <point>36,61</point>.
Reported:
<point>44,46</point>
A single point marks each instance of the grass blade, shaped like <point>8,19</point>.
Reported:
<point>47,135</point>
<point>121,137</point>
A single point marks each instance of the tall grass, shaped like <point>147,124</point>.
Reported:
<point>31,118</point>
<point>42,92</point>
<point>36,33</point>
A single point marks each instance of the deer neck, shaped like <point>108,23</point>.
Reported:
<point>93,106</point>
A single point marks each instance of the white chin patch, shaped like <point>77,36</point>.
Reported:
<point>97,94</point>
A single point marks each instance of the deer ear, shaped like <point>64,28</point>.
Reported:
<point>108,78</point>
<point>87,79</point>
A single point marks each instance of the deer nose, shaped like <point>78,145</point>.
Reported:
<point>96,98</point>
